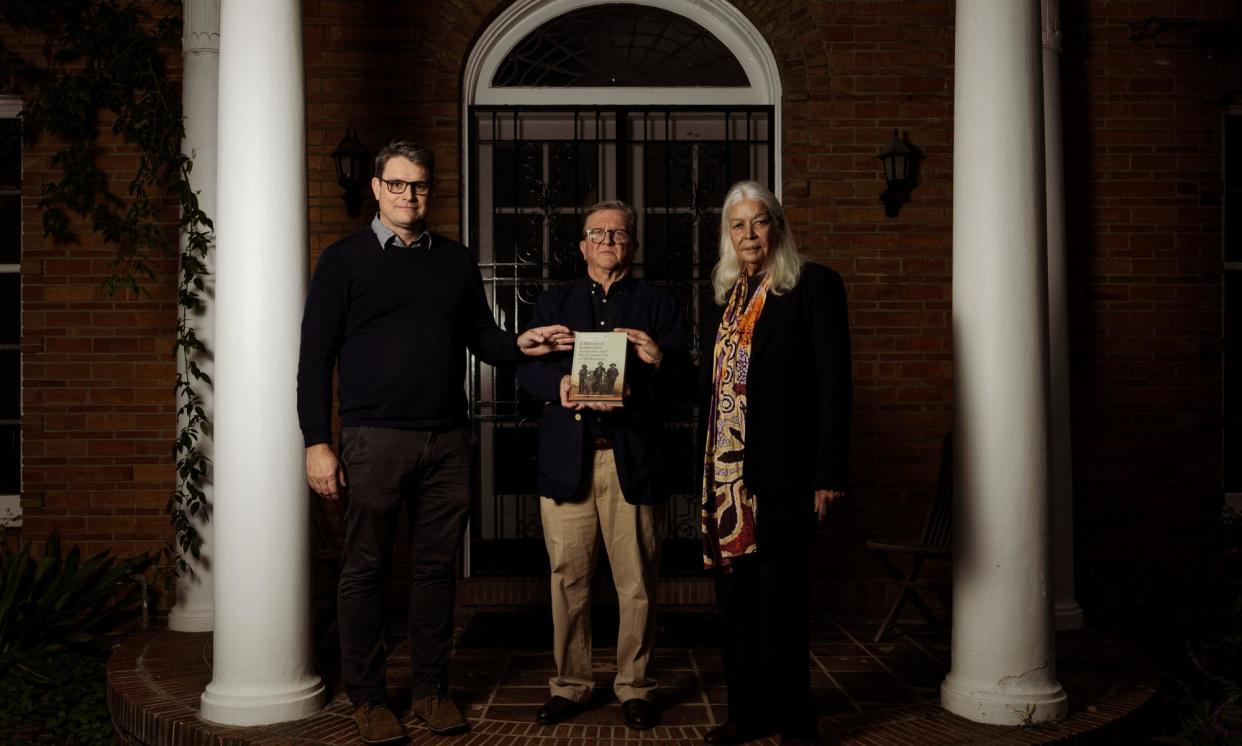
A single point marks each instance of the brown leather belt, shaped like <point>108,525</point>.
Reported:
<point>602,444</point>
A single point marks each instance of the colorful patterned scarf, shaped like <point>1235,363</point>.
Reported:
<point>729,510</point>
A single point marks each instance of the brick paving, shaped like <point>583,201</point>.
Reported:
<point>867,694</point>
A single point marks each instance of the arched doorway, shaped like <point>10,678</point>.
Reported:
<point>661,103</point>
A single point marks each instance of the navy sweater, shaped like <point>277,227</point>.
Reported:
<point>399,320</point>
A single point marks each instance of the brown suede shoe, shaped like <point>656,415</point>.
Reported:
<point>439,714</point>
<point>377,724</point>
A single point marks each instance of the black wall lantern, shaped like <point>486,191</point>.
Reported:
<point>899,161</point>
<point>353,164</point>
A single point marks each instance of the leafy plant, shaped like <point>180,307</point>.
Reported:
<point>1205,674</point>
<point>58,698</point>
<point>103,62</point>
<point>1208,721</point>
<point>49,603</point>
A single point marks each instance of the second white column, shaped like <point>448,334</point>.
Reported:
<point>1003,648</point>
<point>199,85</point>
<point>1068,614</point>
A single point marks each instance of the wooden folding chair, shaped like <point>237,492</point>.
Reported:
<point>934,545</point>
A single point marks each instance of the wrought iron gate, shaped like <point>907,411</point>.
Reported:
<point>534,170</point>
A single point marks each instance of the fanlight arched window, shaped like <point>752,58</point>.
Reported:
<point>619,44</point>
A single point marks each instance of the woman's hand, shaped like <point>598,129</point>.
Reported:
<point>824,498</point>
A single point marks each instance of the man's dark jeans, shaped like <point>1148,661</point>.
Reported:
<point>429,474</point>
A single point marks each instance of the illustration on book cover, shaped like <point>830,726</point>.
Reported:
<point>599,367</point>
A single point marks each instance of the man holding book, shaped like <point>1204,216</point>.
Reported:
<point>600,469</point>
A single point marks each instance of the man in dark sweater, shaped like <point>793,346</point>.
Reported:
<point>398,306</point>
<point>601,471</point>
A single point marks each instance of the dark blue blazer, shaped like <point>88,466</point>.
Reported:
<point>637,425</point>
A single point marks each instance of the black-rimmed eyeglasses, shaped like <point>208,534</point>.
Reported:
<point>599,235</point>
<point>398,186</point>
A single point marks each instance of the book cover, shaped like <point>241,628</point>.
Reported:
<point>598,373</point>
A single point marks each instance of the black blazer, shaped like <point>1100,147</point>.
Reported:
<point>798,391</point>
<point>637,425</point>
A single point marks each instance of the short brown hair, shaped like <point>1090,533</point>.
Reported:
<point>631,215</point>
<point>417,154</point>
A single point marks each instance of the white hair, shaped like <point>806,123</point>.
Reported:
<point>784,264</point>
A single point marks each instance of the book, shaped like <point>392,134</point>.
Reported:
<point>598,373</point>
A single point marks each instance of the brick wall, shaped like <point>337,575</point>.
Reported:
<point>1143,185</point>
<point>98,410</point>
<point>1143,182</point>
<point>874,70</point>
<point>97,397</point>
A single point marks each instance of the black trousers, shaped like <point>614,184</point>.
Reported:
<point>765,620</point>
<point>429,474</point>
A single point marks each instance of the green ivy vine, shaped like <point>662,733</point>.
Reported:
<point>102,63</point>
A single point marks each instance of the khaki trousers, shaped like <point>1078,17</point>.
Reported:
<point>571,530</point>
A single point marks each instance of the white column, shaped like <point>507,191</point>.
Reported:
<point>1004,649</point>
<point>262,662</point>
<point>1067,613</point>
<point>200,48</point>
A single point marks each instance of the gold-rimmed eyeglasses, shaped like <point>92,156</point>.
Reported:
<point>599,235</point>
<point>398,186</point>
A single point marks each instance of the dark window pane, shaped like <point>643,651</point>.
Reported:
<point>1233,383</point>
<point>515,304</point>
<point>1233,189</point>
<point>620,45</point>
<point>518,174</point>
<point>709,243</point>
<point>720,165</point>
<point>524,306</point>
<point>575,173</point>
<point>680,446</point>
<point>565,237</point>
<point>1233,309</point>
<point>1233,219</point>
<point>516,460</point>
<point>704,341</point>
<point>1233,446</point>
<point>10,460</point>
<point>504,240</point>
<point>1233,147</point>
<point>10,229</point>
<point>504,303</point>
<point>10,384</point>
<point>10,153</point>
<point>10,309</point>
<point>518,239</point>
<point>1233,379</point>
<point>667,180</point>
<point>504,393</point>
<point>668,246</point>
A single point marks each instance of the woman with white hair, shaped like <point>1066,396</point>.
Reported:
<point>776,413</point>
